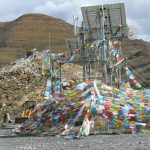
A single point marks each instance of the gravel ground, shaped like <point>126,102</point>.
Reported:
<point>93,142</point>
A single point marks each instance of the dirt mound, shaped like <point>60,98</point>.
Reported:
<point>19,82</point>
<point>22,80</point>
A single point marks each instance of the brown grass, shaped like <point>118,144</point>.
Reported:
<point>32,31</point>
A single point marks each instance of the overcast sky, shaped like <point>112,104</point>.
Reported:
<point>137,11</point>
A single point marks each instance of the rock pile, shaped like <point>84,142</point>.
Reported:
<point>19,82</point>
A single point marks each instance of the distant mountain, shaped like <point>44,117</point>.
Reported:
<point>32,31</point>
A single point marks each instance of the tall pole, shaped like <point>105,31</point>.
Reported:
<point>104,46</point>
<point>89,69</point>
<point>119,66</point>
<point>49,41</point>
<point>52,65</point>
<point>119,75</point>
<point>60,77</point>
<point>75,21</point>
<point>83,55</point>
<point>95,65</point>
<point>52,77</point>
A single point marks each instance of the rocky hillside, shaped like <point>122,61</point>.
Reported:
<point>140,65</point>
<point>138,54</point>
<point>131,47</point>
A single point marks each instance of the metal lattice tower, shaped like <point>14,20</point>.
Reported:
<point>100,24</point>
<point>104,22</point>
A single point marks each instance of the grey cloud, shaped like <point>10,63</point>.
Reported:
<point>11,9</point>
<point>60,10</point>
<point>138,11</point>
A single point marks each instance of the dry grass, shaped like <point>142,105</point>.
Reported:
<point>8,55</point>
<point>32,31</point>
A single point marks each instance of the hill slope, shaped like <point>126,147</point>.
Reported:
<point>131,47</point>
<point>140,64</point>
<point>32,31</point>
